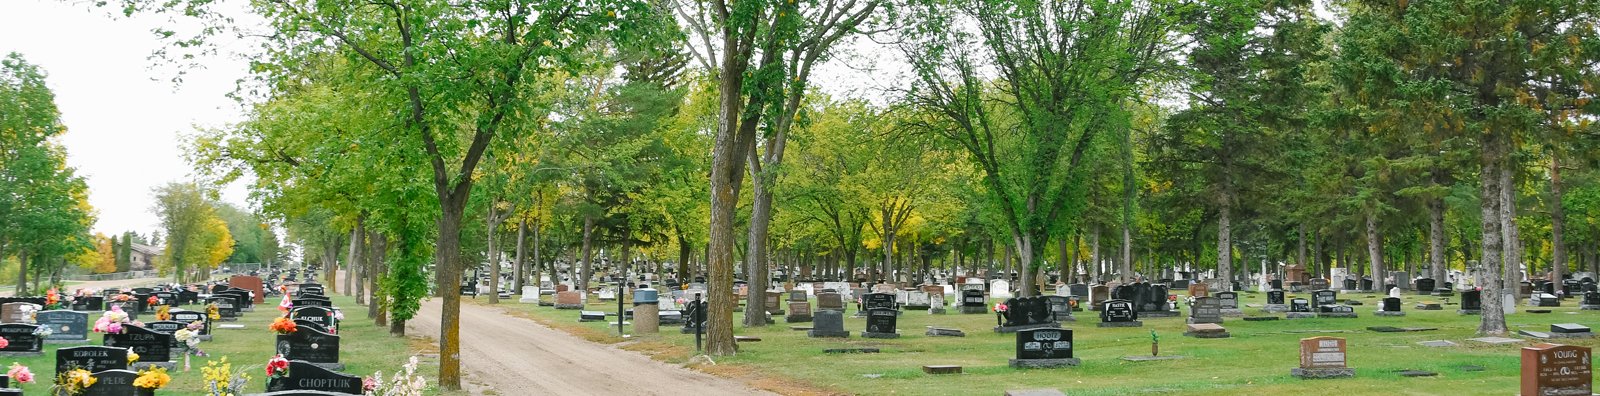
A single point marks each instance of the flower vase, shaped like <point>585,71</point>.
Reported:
<point>137,391</point>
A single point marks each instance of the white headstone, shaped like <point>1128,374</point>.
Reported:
<point>917,298</point>
<point>1508,303</point>
<point>530,294</point>
<point>1063,290</point>
<point>1394,292</point>
<point>1000,289</point>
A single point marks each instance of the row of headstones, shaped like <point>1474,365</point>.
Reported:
<point>114,377</point>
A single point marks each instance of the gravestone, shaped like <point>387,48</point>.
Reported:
<point>936,303</point>
<point>917,299</point>
<point>1042,348</point>
<point>1402,279</point>
<point>797,295</point>
<point>92,358</point>
<point>881,323</point>
<point>1591,301</point>
<point>309,377</point>
<point>799,312</point>
<point>570,299</point>
<point>1426,286</point>
<point>828,323</point>
<point>318,315</point>
<point>973,300</point>
<point>1060,308</point>
<point>89,303</point>
<point>311,346</point>
<point>66,327</point>
<point>312,301</point>
<point>16,312</point>
<point>694,317</point>
<point>1229,302</point>
<point>530,294</point>
<point>154,348</point>
<point>1079,289</point>
<point>225,307</point>
<point>167,298</point>
<point>1206,310</point>
<point>1570,330</point>
<point>251,284</point>
<point>1544,300</point>
<point>879,300</point>
<point>1471,302</point>
<point>191,317</point>
<point>1097,295</point>
<point>1000,289</point>
<point>1318,284</point>
<point>1199,289</point>
<point>166,326</point>
<point>1026,313</point>
<point>1205,330</point>
<point>112,383</point>
<point>1322,357</point>
<point>1119,313</point>
<point>314,325</point>
<point>1552,369</point>
<point>1300,308</point>
<point>830,302</point>
<point>1323,298</point>
<point>22,340</point>
<point>1390,307</point>
<point>773,302</point>
<point>1275,302</point>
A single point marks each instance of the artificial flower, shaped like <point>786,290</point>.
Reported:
<point>20,373</point>
<point>132,357</point>
<point>152,378</point>
<point>277,366</point>
<point>282,325</point>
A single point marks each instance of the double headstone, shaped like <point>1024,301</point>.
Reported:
<point>306,376</point>
<point>1026,313</point>
<point>1591,301</point>
<point>1060,308</point>
<point>1206,310</point>
<point>1300,308</point>
<point>1390,307</point>
<point>1044,348</point>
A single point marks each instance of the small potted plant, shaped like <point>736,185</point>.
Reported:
<point>149,380</point>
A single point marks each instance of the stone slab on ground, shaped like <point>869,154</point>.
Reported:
<point>851,350</point>
<point>1437,343</point>
<point>1344,315</point>
<point>941,369</point>
<point>1390,313</point>
<point>1134,323</point>
<point>1260,318</point>
<point>1392,329</point>
<point>800,328</point>
<point>1495,340</point>
<point>945,332</point>
<point>1206,330</point>
<point>1538,311</point>
<point>1300,315</point>
<point>1045,363</point>
<point>827,334</point>
<point>739,338</point>
<point>1322,373</point>
<point>869,334</point>
<point>1013,329</point>
<point>1417,373</point>
<point>1469,312</point>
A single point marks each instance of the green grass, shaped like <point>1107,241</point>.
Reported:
<point>1256,360</point>
<point>364,348</point>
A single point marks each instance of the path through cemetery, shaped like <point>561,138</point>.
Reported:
<point>517,356</point>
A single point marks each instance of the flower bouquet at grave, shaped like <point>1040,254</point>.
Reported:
<point>73,382</point>
<point>4,342</point>
<point>404,383</point>
<point>120,297</point>
<point>213,312</point>
<point>152,378</point>
<point>43,331</point>
<point>190,339</point>
<point>132,356</point>
<point>20,373</point>
<point>152,301</point>
<point>282,326</point>
<point>52,299</point>
<point>111,322</point>
<point>164,312</point>
<point>277,367</point>
<point>221,380</point>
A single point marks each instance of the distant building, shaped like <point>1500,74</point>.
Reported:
<point>143,257</point>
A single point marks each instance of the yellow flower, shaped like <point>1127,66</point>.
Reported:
<point>132,357</point>
<point>152,378</point>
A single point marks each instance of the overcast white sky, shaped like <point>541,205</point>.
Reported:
<point>123,117</point>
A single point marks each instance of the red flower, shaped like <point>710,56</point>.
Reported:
<point>152,300</point>
<point>277,365</point>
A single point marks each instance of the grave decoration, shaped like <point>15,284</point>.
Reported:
<point>151,379</point>
<point>152,347</point>
<point>1043,348</point>
<point>1322,357</point>
<point>112,383</point>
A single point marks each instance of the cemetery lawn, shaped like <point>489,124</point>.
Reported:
<point>1255,360</point>
<point>363,348</point>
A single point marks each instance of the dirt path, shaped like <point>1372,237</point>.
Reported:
<point>517,356</point>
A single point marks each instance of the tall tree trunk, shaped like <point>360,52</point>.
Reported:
<point>22,273</point>
<point>375,296</point>
<point>538,260</point>
<point>1027,254</point>
<point>449,258</point>
<point>1375,250</point>
<point>1300,250</point>
<point>1225,240</point>
<point>522,256</point>
<point>1436,241</point>
<point>1511,247</point>
<point>588,255</point>
<point>1129,192</point>
<point>1064,256</point>
<point>493,253</point>
<point>1558,221</point>
<point>1492,321</point>
<point>756,259</point>
<point>1094,255</point>
<point>354,260</point>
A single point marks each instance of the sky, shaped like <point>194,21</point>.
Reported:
<point>124,116</point>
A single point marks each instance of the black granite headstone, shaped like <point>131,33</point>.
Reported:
<point>306,376</point>
<point>1044,344</point>
<point>309,345</point>
<point>1275,297</point>
<point>21,337</point>
<point>152,346</point>
<point>91,357</point>
<point>112,383</point>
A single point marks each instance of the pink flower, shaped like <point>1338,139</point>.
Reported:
<point>4,342</point>
<point>277,365</point>
<point>369,384</point>
<point>20,373</point>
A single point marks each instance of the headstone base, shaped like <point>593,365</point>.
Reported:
<point>10,392</point>
<point>1013,329</point>
<point>1065,318</point>
<point>1321,373</point>
<point>1469,311</point>
<point>1587,307</point>
<point>1151,358</point>
<point>868,334</point>
<point>1544,335</point>
<point>529,298</point>
<point>827,334</point>
<point>1429,306</point>
<point>796,318</point>
<point>546,303</point>
<point>936,311</point>
<point>1390,313</point>
<point>1276,308</point>
<point>144,365</point>
<point>66,341</point>
<point>1160,314</point>
<point>569,306</point>
<point>326,366</point>
<point>1300,315</point>
<point>974,310</point>
<point>1207,334</point>
<point>1193,321</point>
<point>1122,324</point>
<point>943,332</point>
<point>851,350</point>
<point>1348,315</point>
<point>1232,312</point>
<point>1259,318</point>
<point>22,354</point>
<point>916,307</point>
<point>1045,363</point>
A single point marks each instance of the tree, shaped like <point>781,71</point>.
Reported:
<point>197,239</point>
<point>44,210</point>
